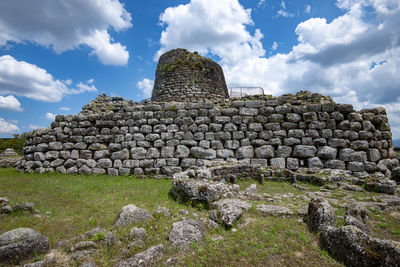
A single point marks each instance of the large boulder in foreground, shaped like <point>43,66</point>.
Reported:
<point>21,244</point>
<point>131,215</point>
<point>187,231</point>
<point>320,214</point>
<point>353,247</point>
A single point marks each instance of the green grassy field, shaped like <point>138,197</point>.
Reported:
<point>79,203</point>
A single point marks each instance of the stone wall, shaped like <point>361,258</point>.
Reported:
<point>292,131</point>
<point>185,76</point>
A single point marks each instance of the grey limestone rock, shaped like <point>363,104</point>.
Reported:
<point>327,152</point>
<point>202,153</point>
<point>302,151</point>
<point>381,186</point>
<point>146,258</point>
<point>138,233</point>
<point>353,247</point>
<point>279,163</point>
<point>264,152</point>
<point>21,244</point>
<point>273,210</point>
<point>245,152</point>
<point>185,232</point>
<point>198,190</point>
<point>131,215</point>
<point>315,163</point>
<point>320,214</point>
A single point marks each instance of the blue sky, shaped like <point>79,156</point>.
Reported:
<point>57,55</point>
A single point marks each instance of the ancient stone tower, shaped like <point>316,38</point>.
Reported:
<point>185,76</point>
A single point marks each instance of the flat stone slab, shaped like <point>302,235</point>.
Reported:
<point>273,210</point>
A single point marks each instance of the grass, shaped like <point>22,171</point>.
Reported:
<point>78,203</point>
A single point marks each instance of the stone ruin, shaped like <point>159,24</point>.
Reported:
<point>191,122</point>
<point>184,76</point>
<point>8,152</point>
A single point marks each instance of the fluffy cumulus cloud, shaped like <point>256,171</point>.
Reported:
<point>146,86</point>
<point>7,127</point>
<point>65,25</point>
<point>355,56</point>
<point>10,103</point>
<point>21,78</point>
<point>50,116</point>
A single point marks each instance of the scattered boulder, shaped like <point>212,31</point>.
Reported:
<point>131,215</point>
<point>381,186</point>
<point>146,258</point>
<point>5,205</point>
<point>350,187</point>
<point>353,247</point>
<point>21,244</point>
<point>84,245</point>
<point>186,231</point>
<point>53,258</point>
<point>199,190</point>
<point>320,214</point>
<point>229,210</point>
<point>357,215</point>
<point>162,212</point>
<point>396,175</point>
<point>273,210</point>
<point>138,233</point>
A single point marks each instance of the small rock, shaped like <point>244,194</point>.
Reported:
<point>84,245</point>
<point>138,233</point>
<point>146,258</point>
<point>162,211</point>
<point>131,215</point>
<point>183,212</point>
<point>186,231</point>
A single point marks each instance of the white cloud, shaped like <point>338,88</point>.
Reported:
<point>68,82</point>
<point>282,12</point>
<point>146,86</point>
<point>350,58</point>
<point>90,81</point>
<point>65,25</point>
<point>10,103</point>
<point>65,108</point>
<point>210,26</point>
<point>274,46</point>
<point>34,127</point>
<point>307,9</point>
<point>50,116</point>
<point>24,79</point>
<point>86,88</point>
<point>261,3</point>
<point>7,128</point>
<point>107,52</point>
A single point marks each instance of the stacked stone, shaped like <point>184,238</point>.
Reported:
<point>283,132</point>
<point>185,76</point>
